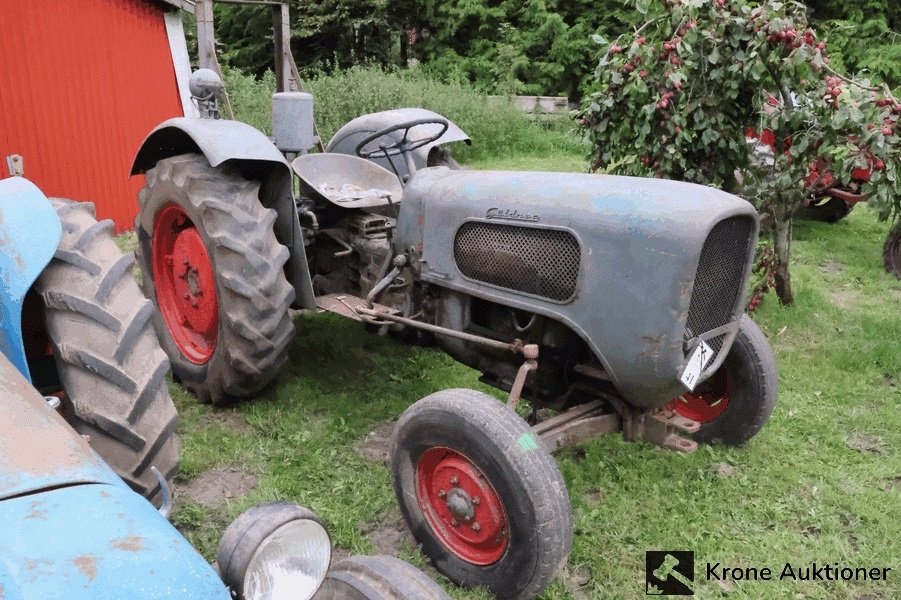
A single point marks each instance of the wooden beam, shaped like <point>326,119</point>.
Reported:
<point>206,37</point>
<point>186,5</point>
<point>319,143</point>
<point>264,2</point>
<point>180,60</point>
<point>281,28</point>
<point>226,100</point>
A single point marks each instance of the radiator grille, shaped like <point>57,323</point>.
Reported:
<point>541,262</point>
<point>719,279</point>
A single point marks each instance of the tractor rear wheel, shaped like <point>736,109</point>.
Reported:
<point>891,252</point>
<point>214,270</point>
<point>107,357</point>
<point>378,578</point>
<point>736,401</point>
<point>481,494</point>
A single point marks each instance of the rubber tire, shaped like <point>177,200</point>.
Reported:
<point>832,210</point>
<point>525,477</point>
<point>752,373</point>
<point>891,252</point>
<point>107,355</point>
<point>378,578</point>
<point>255,328</point>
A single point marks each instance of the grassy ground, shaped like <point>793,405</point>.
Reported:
<point>820,483</point>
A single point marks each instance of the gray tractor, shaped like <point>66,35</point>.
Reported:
<point>610,304</point>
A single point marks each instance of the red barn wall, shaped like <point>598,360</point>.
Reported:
<point>82,82</point>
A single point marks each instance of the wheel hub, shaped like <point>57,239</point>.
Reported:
<point>461,506</point>
<point>185,284</point>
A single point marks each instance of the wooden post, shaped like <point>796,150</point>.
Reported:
<point>206,40</point>
<point>281,27</point>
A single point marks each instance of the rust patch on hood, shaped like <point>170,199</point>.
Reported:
<point>34,440</point>
<point>132,543</point>
<point>87,564</point>
<point>35,512</point>
<point>654,346</point>
<point>35,564</point>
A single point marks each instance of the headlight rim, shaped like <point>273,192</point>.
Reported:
<point>246,533</point>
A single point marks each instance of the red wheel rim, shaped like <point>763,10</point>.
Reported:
<point>461,506</point>
<point>185,284</point>
<point>707,402</point>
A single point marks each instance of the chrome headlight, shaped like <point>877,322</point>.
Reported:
<point>273,551</point>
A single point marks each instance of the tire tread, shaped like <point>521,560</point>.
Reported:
<point>255,329</point>
<point>108,358</point>
<point>536,471</point>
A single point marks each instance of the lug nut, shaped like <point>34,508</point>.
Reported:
<point>454,480</point>
<point>475,500</point>
<point>454,522</point>
<point>442,493</point>
<point>476,526</point>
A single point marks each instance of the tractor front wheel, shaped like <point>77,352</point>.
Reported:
<point>107,357</point>
<point>214,270</point>
<point>481,494</point>
<point>891,252</point>
<point>736,401</point>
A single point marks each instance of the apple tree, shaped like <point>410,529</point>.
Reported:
<point>741,96</point>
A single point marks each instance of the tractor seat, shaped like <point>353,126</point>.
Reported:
<point>347,181</point>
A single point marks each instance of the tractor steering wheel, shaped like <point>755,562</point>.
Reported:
<point>404,144</point>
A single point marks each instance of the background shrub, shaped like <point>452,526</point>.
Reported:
<point>495,126</point>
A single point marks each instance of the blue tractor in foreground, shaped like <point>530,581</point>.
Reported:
<point>73,324</point>
<point>76,325</point>
<point>73,529</point>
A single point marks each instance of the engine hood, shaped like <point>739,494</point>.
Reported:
<point>639,243</point>
<point>97,541</point>
<point>38,449</point>
<point>70,527</point>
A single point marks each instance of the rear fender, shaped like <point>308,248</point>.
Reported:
<point>346,139</point>
<point>255,156</point>
<point>29,235</point>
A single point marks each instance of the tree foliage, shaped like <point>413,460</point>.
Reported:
<point>501,46</point>
<point>326,34</point>
<point>510,46</point>
<point>677,97</point>
<point>863,36</point>
<point>514,46</point>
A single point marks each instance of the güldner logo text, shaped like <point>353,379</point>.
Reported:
<point>511,214</point>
